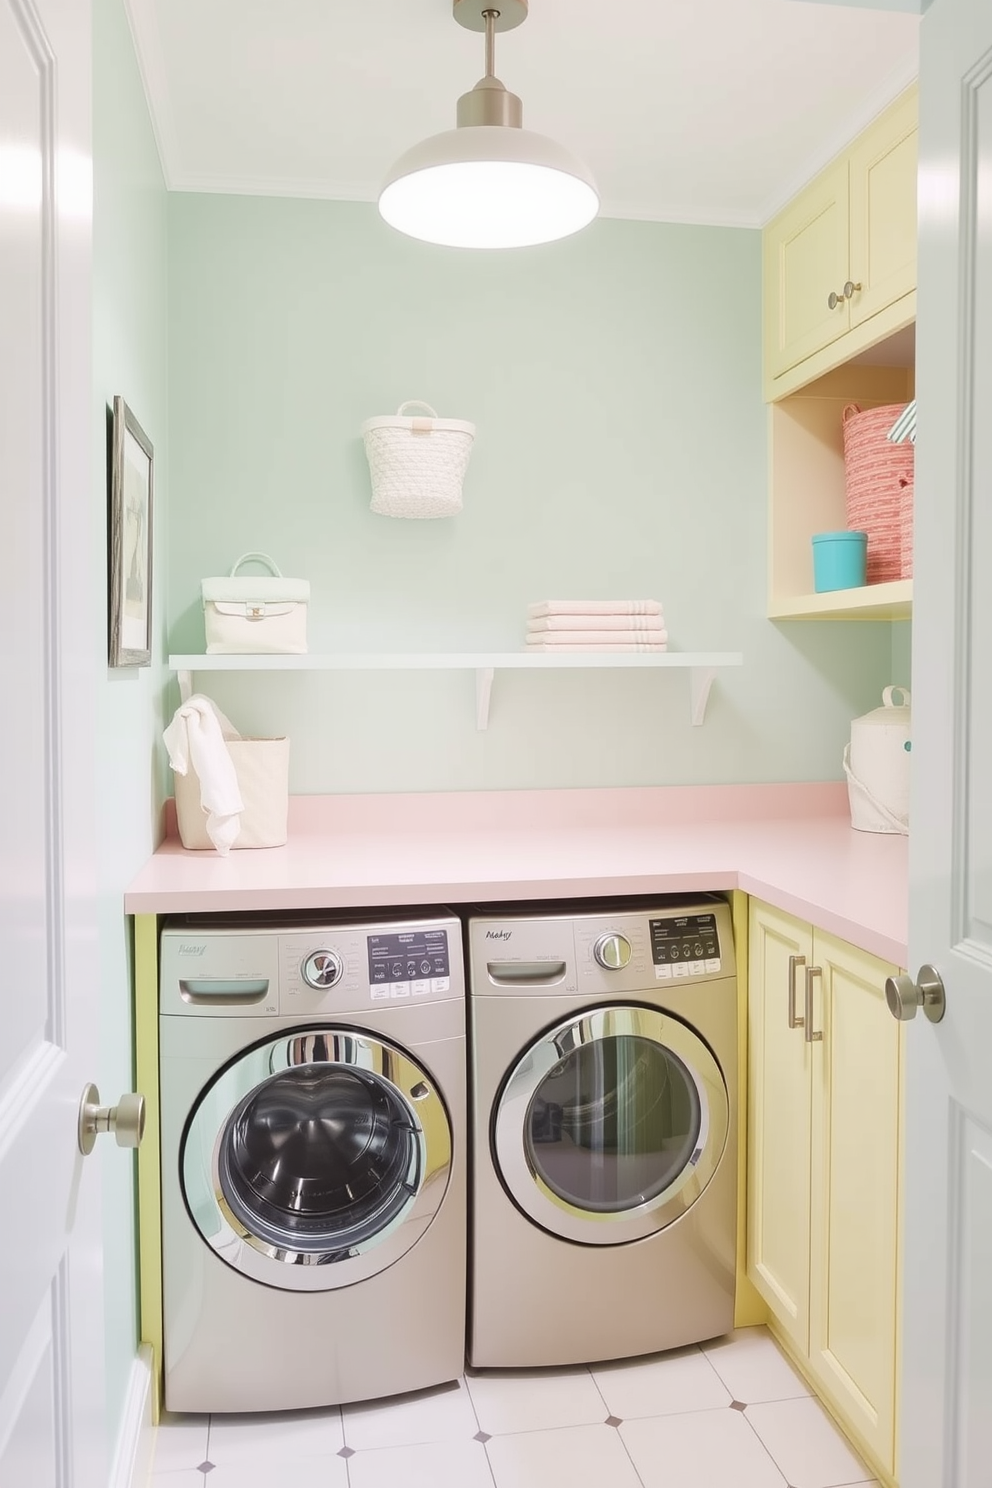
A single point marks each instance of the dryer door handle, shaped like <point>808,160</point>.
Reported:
<point>529,973</point>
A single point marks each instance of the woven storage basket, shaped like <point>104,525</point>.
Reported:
<point>417,464</point>
<point>878,475</point>
<point>906,532</point>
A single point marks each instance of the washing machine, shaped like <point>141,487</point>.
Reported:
<point>604,1112</point>
<point>313,1140</point>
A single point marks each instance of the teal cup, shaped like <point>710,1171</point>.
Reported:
<point>839,560</point>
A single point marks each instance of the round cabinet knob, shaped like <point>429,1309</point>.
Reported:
<point>904,996</point>
<point>126,1120</point>
<point>322,969</point>
<point>612,951</point>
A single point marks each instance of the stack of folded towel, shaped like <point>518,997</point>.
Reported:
<point>596,625</point>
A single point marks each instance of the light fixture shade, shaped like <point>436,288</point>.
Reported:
<point>488,186</point>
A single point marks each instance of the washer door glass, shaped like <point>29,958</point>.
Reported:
<point>317,1159</point>
<point>611,1125</point>
<point>320,1157</point>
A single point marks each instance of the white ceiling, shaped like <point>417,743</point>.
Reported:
<point>710,111</point>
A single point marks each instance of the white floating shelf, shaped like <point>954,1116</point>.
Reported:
<point>702,667</point>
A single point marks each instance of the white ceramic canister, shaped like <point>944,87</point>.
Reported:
<point>877,765</point>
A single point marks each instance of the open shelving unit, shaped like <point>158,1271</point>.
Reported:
<point>702,667</point>
<point>806,458</point>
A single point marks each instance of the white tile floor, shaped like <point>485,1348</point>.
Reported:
<point>730,1414</point>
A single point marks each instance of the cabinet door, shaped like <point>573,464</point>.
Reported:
<point>778,1122</point>
<point>855,1192</point>
<point>883,210</point>
<point>805,252</point>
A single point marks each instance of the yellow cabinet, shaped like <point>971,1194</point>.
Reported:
<point>804,250</point>
<point>840,259</point>
<point>823,1166</point>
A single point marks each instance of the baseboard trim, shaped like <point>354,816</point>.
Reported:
<point>136,1439</point>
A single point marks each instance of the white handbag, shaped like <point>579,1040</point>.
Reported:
<point>255,614</point>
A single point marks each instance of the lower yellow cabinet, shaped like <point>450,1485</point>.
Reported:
<point>824,1165</point>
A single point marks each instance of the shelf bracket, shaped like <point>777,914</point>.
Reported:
<point>700,682</point>
<point>185,686</point>
<point>483,691</point>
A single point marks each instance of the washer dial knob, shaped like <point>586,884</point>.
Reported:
<point>322,969</point>
<point>612,951</point>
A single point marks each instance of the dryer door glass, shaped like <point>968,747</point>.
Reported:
<point>613,1124</point>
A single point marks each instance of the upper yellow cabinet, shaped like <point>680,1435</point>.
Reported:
<point>840,260</point>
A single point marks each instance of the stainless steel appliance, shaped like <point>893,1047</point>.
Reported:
<point>313,1159</point>
<point>604,1100</point>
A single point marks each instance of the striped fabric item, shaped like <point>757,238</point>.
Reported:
<point>905,426</point>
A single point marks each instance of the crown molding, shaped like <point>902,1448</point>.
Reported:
<point>887,92</point>
<point>151,67</point>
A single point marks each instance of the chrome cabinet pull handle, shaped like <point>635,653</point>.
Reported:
<point>794,961</point>
<point>811,972</point>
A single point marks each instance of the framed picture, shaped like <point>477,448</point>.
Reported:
<point>131,484</point>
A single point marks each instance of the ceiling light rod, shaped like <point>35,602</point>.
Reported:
<point>489,102</point>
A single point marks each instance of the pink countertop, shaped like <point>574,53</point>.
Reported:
<point>791,845</point>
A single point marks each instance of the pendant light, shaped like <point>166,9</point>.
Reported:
<point>489,183</point>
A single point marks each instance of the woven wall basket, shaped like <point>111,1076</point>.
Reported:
<point>417,464</point>
<point>879,483</point>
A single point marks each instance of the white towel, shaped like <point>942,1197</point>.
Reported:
<point>571,648</point>
<point>196,736</point>
<point>553,639</point>
<point>593,607</point>
<point>648,625</point>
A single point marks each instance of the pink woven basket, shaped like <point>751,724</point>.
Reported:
<point>906,532</point>
<point>879,482</point>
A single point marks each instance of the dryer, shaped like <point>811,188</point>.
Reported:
<point>604,1104</point>
<point>313,1147</point>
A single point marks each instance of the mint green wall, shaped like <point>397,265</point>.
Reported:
<point>615,382</point>
<point>130,343</point>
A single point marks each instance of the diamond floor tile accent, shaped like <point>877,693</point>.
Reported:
<point>667,1426</point>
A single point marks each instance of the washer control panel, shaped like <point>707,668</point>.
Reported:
<point>685,945</point>
<point>306,970</point>
<point>409,963</point>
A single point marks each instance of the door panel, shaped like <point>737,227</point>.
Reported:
<point>806,256</point>
<point>947,1312</point>
<point>855,1183</point>
<point>883,210</point>
<point>51,1299</point>
<point>778,1123</point>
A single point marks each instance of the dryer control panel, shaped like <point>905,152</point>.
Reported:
<point>685,945</point>
<point>609,951</point>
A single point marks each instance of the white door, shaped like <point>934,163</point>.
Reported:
<point>51,1300</point>
<point>946,1434</point>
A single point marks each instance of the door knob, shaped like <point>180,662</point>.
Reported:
<point>904,996</point>
<point>126,1120</point>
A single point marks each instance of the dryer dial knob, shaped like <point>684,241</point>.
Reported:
<point>322,969</point>
<point>612,951</point>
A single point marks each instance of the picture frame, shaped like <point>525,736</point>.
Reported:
<point>132,464</point>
